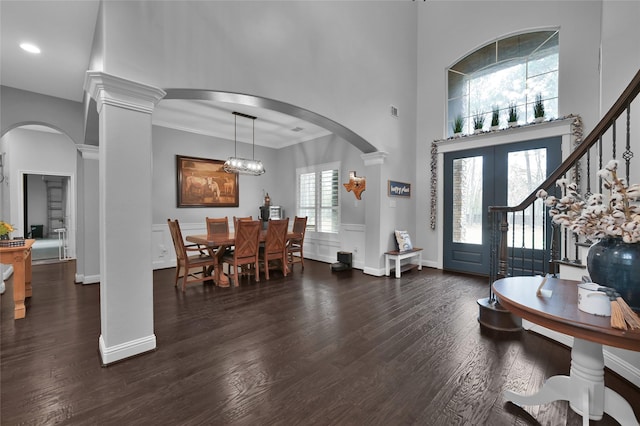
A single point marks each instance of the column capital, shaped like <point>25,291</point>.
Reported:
<point>88,152</point>
<point>374,158</point>
<point>109,89</point>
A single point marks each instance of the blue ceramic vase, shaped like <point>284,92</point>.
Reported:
<point>614,263</point>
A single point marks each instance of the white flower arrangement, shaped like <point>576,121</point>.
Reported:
<point>596,218</point>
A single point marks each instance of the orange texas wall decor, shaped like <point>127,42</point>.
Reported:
<point>356,184</point>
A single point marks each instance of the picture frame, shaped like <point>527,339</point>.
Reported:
<point>202,182</point>
<point>398,189</point>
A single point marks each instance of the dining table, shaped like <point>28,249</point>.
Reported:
<point>20,257</point>
<point>218,245</point>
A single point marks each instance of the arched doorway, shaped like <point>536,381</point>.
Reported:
<point>275,105</point>
<point>38,190</point>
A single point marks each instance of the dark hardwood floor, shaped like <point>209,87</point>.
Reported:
<point>314,348</point>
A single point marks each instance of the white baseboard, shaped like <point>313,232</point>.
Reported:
<point>7,270</point>
<point>87,279</point>
<point>616,362</point>
<point>91,279</point>
<point>376,272</point>
<point>430,264</point>
<point>126,350</point>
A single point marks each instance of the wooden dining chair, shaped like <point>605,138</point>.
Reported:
<point>217,225</point>
<point>275,245</point>
<point>247,242</point>
<point>295,246</point>
<point>236,219</point>
<point>187,260</point>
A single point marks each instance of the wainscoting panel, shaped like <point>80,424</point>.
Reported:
<point>163,252</point>
<point>352,239</point>
<point>317,246</point>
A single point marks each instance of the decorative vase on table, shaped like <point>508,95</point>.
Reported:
<point>614,263</point>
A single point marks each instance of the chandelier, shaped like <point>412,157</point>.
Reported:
<point>243,165</point>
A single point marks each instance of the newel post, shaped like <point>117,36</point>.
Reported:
<point>503,253</point>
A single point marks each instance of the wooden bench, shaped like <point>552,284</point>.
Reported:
<point>398,256</point>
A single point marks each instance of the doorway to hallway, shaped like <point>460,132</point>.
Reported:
<point>46,215</point>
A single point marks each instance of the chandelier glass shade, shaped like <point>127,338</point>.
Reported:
<point>239,165</point>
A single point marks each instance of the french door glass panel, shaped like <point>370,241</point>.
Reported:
<point>525,171</point>
<point>497,175</point>
<point>467,200</point>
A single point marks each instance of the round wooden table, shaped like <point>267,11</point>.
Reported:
<point>584,387</point>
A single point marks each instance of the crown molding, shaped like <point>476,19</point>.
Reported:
<point>112,90</point>
<point>88,152</point>
<point>373,158</point>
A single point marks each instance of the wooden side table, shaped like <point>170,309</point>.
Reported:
<point>20,258</point>
<point>584,387</point>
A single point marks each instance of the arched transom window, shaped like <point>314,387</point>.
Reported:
<point>510,72</point>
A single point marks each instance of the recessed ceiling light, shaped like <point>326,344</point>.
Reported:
<point>31,48</point>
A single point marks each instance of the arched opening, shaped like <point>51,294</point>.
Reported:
<point>38,188</point>
<point>274,105</point>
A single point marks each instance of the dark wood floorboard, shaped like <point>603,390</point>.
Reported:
<point>314,348</point>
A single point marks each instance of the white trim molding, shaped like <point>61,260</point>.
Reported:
<point>88,152</point>
<point>373,158</point>
<point>109,89</point>
<point>126,350</point>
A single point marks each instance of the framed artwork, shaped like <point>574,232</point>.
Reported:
<point>399,189</point>
<point>203,183</point>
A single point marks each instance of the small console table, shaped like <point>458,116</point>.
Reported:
<point>398,256</point>
<point>584,386</point>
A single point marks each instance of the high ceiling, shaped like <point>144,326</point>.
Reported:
<point>64,32</point>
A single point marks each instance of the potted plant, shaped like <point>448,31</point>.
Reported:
<point>538,109</point>
<point>495,118</point>
<point>457,126</point>
<point>512,119</point>
<point>478,122</point>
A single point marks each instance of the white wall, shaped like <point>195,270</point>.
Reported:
<point>347,61</point>
<point>37,203</point>
<point>620,62</point>
<point>167,143</point>
<point>278,181</point>
<point>484,21</point>
<point>35,152</point>
<point>620,52</point>
<point>20,107</point>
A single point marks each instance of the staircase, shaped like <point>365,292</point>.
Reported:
<point>563,253</point>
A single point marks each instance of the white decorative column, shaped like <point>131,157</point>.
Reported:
<point>88,225</point>
<point>373,261</point>
<point>125,184</point>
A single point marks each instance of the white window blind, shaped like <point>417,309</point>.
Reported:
<point>319,197</point>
